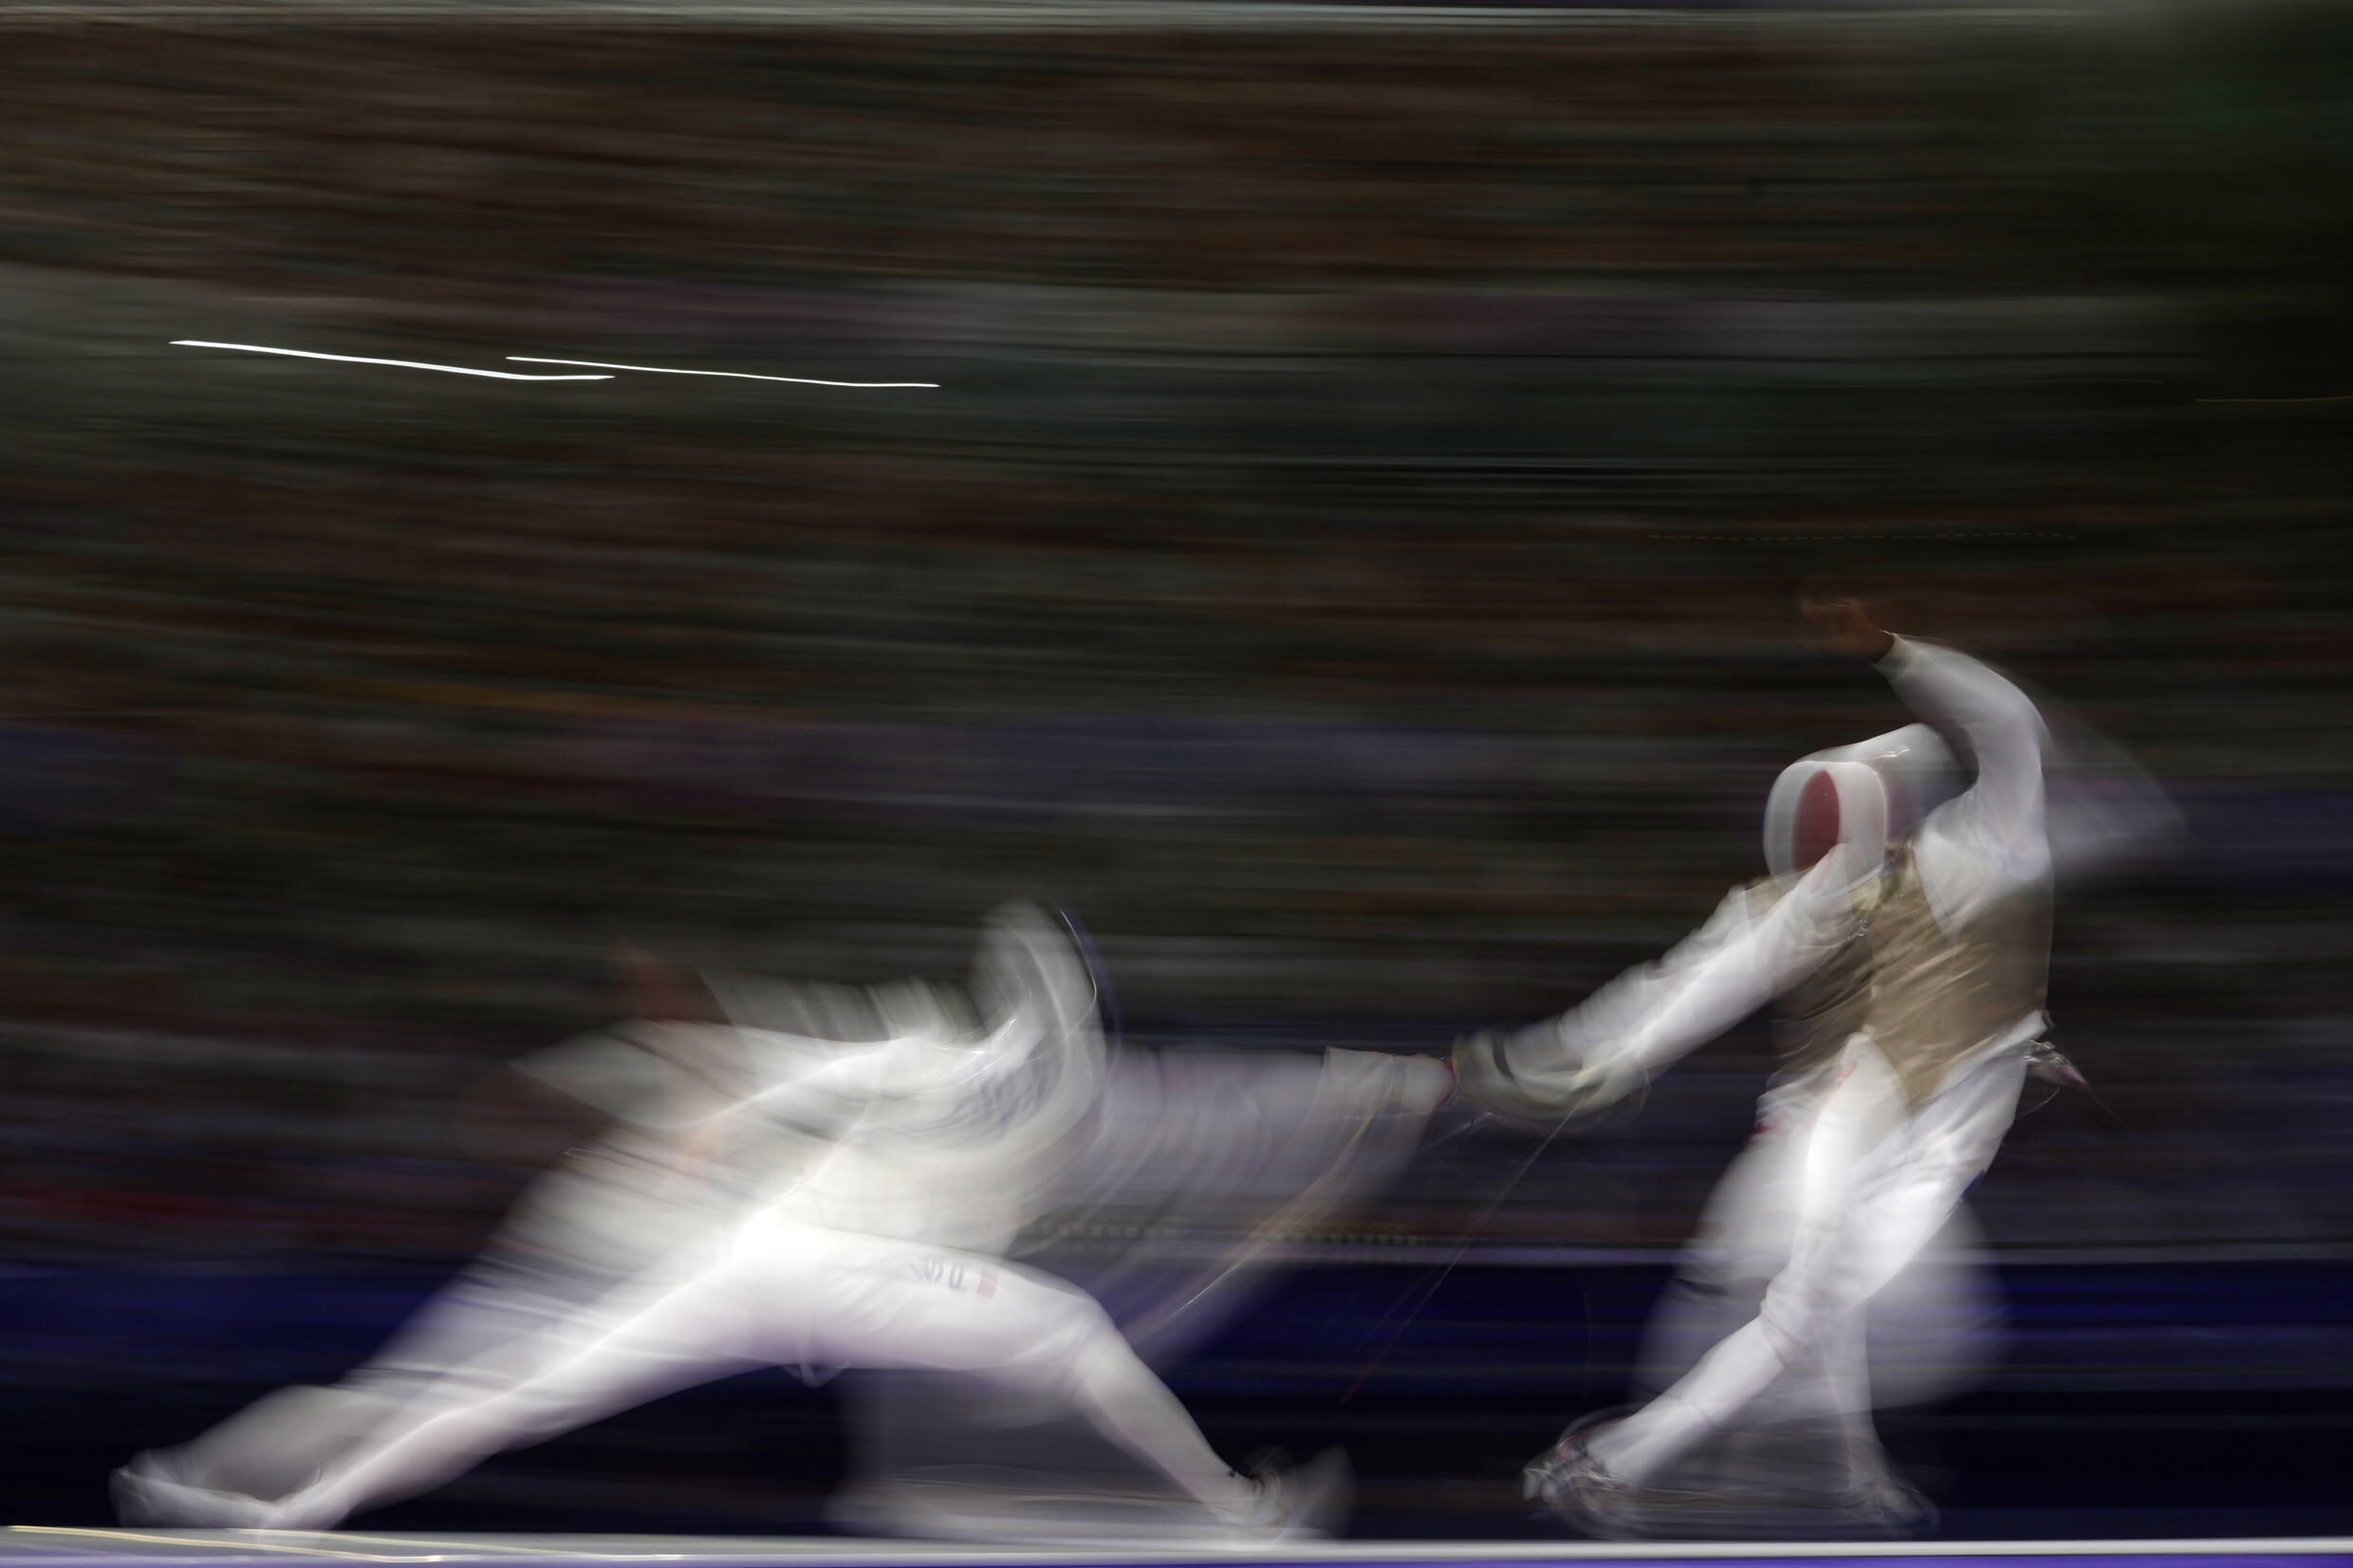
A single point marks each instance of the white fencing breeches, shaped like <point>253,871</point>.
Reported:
<point>793,1294</point>
<point>582,1231</point>
<point>1857,1186</point>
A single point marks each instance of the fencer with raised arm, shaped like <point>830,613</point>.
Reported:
<point>1907,939</point>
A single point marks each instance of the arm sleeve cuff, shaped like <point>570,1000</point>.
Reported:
<point>1898,660</point>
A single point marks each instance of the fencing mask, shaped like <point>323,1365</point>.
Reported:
<point>1868,795</point>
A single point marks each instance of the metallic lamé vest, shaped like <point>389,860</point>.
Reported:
<point>1927,997</point>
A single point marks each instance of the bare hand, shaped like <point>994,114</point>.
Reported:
<point>1842,626</point>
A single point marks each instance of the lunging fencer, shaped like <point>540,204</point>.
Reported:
<point>925,1153</point>
<point>1908,941</point>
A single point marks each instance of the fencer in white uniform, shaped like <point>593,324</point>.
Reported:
<point>928,1153</point>
<point>1909,949</point>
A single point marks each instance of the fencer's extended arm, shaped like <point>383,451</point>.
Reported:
<point>1738,970</point>
<point>1601,1051</point>
<point>2003,810</point>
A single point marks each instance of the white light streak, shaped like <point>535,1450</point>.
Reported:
<point>405,365</point>
<point>736,374</point>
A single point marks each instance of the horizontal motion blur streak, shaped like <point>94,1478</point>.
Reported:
<point>406,364</point>
<point>734,374</point>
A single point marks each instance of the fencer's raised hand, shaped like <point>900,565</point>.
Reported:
<point>1842,626</point>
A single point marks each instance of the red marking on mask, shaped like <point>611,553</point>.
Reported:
<point>1816,832</point>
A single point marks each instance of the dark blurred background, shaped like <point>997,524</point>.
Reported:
<point>1348,560</point>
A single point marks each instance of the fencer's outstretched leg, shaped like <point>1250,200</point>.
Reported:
<point>485,1327</point>
<point>879,1304</point>
<point>689,1334</point>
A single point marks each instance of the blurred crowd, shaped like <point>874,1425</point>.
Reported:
<point>1348,559</point>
